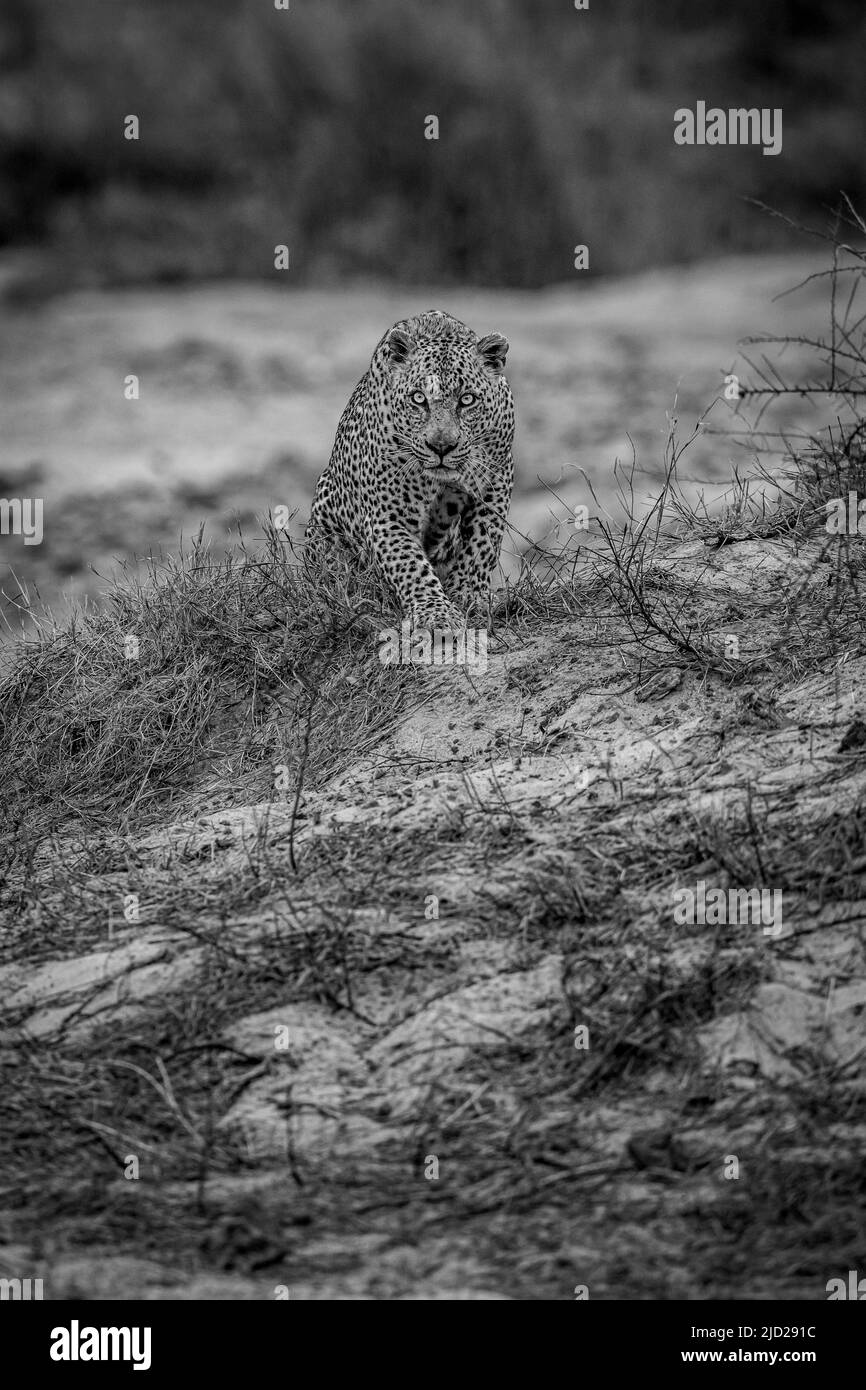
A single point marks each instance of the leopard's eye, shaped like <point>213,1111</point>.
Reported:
<point>467,398</point>
<point>418,398</point>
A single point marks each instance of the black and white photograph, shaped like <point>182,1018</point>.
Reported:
<point>433,665</point>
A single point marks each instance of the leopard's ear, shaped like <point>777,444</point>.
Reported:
<point>493,350</point>
<point>399,344</point>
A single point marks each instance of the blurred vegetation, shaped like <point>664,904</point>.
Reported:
<point>262,126</point>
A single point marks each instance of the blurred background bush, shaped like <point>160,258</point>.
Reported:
<point>305,126</point>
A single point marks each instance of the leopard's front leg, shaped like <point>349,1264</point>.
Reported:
<point>400,556</point>
<point>466,581</point>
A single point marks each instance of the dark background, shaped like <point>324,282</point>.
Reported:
<point>306,127</point>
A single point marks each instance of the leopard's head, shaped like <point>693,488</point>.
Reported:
<point>450,402</point>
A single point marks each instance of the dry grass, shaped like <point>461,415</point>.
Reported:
<point>231,651</point>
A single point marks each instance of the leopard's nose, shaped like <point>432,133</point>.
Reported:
<point>441,443</point>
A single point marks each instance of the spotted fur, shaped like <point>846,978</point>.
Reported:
<point>421,470</point>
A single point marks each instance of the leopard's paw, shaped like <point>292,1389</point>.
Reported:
<point>439,615</point>
<point>473,603</point>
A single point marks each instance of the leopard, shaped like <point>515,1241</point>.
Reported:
<point>421,472</point>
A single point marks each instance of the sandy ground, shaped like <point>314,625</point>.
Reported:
<point>556,1168</point>
<point>242,385</point>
